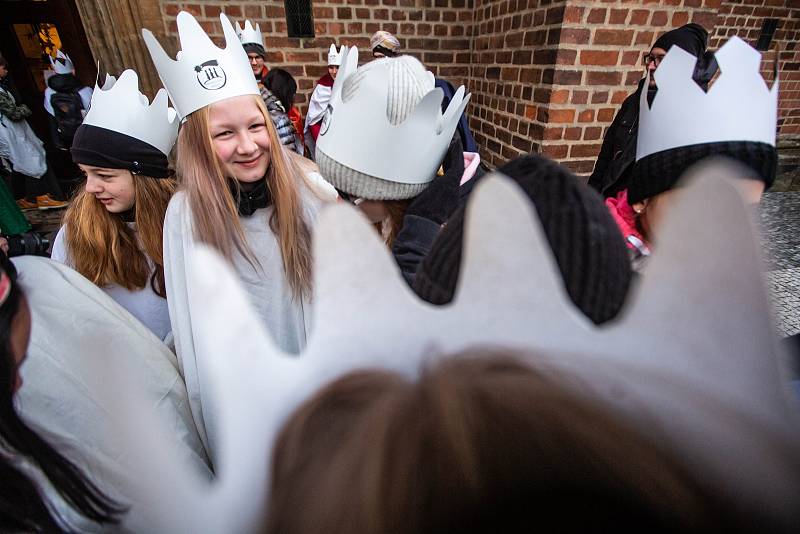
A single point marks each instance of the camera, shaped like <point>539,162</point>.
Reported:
<point>27,244</point>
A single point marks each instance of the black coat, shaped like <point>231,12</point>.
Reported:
<point>618,153</point>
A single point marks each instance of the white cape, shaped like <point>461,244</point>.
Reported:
<point>282,315</point>
<point>78,331</point>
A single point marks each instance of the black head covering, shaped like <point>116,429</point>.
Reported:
<point>659,172</point>
<point>254,48</point>
<point>101,147</point>
<point>586,242</point>
<point>692,37</point>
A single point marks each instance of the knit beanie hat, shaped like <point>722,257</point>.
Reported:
<point>408,82</point>
<point>659,172</point>
<point>254,48</point>
<point>586,242</point>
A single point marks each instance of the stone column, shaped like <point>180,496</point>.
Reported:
<point>114,31</point>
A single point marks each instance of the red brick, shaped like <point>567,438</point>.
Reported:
<point>593,133</point>
<point>603,78</point>
<point>606,115</point>
<point>573,15</point>
<point>574,36</point>
<point>599,57</point>
<point>599,97</point>
<point>572,134</point>
<point>596,16</point>
<point>586,115</point>
<point>639,17</point>
<point>555,116</point>
<point>613,37</point>
<point>530,112</point>
<point>679,18</point>
<point>559,96</point>
<point>659,18</point>
<point>567,77</point>
<point>555,151</point>
<point>580,97</point>
<point>583,151</point>
<point>618,16</point>
<point>552,134</point>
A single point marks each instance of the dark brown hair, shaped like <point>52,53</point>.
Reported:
<point>478,444</point>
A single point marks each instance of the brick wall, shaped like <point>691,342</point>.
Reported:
<point>437,32</point>
<point>545,75</point>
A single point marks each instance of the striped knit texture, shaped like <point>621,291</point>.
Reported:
<point>408,82</point>
<point>660,172</point>
<point>587,245</point>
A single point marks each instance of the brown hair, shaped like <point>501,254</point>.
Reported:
<point>214,210</point>
<point>396,210</point>
<point>104,249</point>
<point>478,444</point>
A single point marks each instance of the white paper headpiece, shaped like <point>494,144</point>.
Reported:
<point>62,64</point>
<point>250,35</point>
<point>334,57</point>
<point>739,106</point>
<point>202,73</point>
<point>119,106</point>
<point>352,131</point>
<point>692,359</point>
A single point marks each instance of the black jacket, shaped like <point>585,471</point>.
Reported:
<point>618,153</point>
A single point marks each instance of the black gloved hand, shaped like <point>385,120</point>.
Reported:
<point>441,198</point>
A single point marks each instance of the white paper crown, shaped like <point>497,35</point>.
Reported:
<point>334,57</point>
<point>62,64</point>
<point>202,73</point>
<point>250,35</point>
<point>358,134</point>
<point>121,107</point>
<point>739,106</point>
<point>691,360</point>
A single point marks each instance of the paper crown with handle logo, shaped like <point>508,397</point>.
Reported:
<point>121,107</point>
<point>202,73</point>
<point>356,131</point>
<point>739,106</point>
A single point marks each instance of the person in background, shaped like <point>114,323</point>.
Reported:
<point>278,92</point>
<point>614,163</point>
<point>23,152</point>
<point>283,85</point>
<point>253,42</point>
<point>318,104</point>
<point>384,44</point>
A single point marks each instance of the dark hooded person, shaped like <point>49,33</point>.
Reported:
<point>615,161</point>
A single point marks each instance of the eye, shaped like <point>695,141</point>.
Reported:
<point>257,125</point>
<point>224,133</point>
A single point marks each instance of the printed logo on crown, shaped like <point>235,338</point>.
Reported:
<point>211,75</point>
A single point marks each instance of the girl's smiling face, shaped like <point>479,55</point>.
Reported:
<point>240,138</point>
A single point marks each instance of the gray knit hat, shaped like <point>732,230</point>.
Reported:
<point>408,82</point>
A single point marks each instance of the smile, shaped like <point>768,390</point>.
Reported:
<point>250,163</point>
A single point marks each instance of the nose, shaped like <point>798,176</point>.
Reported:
<point>93,185</point>
<point>247,144</point>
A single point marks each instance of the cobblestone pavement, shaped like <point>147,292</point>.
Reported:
<point>780,221</point>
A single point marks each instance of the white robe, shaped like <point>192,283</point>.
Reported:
<point>284,316</point>
<point>76,329</point>
<point>144,304</point>
<point>317,106</point>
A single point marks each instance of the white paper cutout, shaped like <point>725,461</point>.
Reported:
<point>738,106</point>
<point>119,106</point>
<point>419,142</point>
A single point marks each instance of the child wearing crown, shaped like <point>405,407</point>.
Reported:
<point>112,232</point>
<point>240,194</point>
<point>318,103</point>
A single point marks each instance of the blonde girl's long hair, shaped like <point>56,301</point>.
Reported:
<point>214,209</point>
<point>104,249</point>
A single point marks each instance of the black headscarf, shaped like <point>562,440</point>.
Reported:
<point>102,147</point>
<point>691,37</point>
